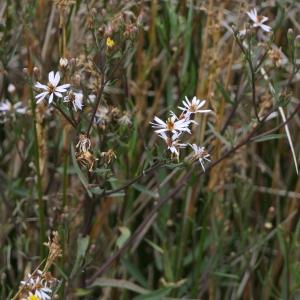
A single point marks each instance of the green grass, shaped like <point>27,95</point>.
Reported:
<point>143,226</point>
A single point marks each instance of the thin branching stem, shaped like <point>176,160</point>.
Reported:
<point>65,116</point>
<point>140,230</point>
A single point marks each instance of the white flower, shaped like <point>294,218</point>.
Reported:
<point>6,108</point>
<point>172,142</point>
<point>51,88</point>
<point>39,284</point>
<point>19,108</point>
<point>173,124</point>
<point>75,98</point>
<point>200,154</point>
<point>193,107</point>
<point>43,293</point>
<point>258,20</point>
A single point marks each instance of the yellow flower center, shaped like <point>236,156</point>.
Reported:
<point>51,88</point>
<point>110,42</point>
<point>170,124</point>
<point>193,108</point>
<point>259,18</point>
<point>33,297</point>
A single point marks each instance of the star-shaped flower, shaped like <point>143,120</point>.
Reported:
<point>200,154</point>
<point>172,142</point>
<point>173,124</point>
<point>75,99</point>
<point>193,107</point>
<point>52,88</point>
<point>258,20</point>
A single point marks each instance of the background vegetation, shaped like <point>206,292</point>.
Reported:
<point>139,225</point>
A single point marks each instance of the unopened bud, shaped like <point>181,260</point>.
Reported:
<point>77,79</point>
<point>268,225</point>
<point>63,62</point>
<point>290,34</point>
<point>11,88</point>
<point>36,71</point>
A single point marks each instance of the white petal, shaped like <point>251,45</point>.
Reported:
<point>264,19</point>
<point>158,120</point>
<point>265,27</point>
<point>50,99</point>
<point>63,88</point>
<point>41,97</point>
<point>41,86</point>
<point>204,110</point>
<point>56,79</point>
<point>57,94</point>
<point>51,77</point>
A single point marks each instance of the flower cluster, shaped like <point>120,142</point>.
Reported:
<point>38,286</point>
<point>52,89</point>
<point>172,129</point>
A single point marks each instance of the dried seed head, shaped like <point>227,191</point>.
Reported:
<point>55,250</point>
<point>86,159</point>
<point>108,156</point>
<point>84,143</point>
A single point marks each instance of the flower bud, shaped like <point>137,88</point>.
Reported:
<point>11,88</point>
<point>63,62</point>
<point>290,34</point>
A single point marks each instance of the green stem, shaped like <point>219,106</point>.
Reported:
<point>65,179</point>
<point>39,185</point>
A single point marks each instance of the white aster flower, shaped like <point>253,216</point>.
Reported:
<point>200,154</point>
<point>258,20</point>
<point>173,124</point>
<point>38,285</point>
<point>52,88</point>
<point>20,108</point>
<point>193,107</point>
<point>7,109</point>
<point>75,99</point>
<point>172,142</point>
<point>44,293</point>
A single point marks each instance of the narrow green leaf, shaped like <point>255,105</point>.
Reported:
<point>155,295</point>
<point>268,138</point>
<point>119,283</point>
<point>125,234</point>
<point>82,247</point>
